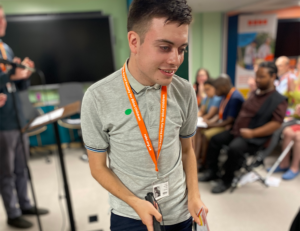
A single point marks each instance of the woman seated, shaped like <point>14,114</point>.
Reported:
<point>209,112</point>
<point>291,170</point>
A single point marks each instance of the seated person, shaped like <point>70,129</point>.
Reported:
<point>285,76</point>
<point>260,116</point>
<point>229,108</point>
<point>208,110</point>
<point>289,134</point>
<point>210,104</point>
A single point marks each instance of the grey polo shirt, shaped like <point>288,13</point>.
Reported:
<point>109,125</point>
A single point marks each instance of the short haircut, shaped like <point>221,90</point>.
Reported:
<point>271,67</point>
<point>141,13</point>
<point>210,82</point>
<point>222,81</point>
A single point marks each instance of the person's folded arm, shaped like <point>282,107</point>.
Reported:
<point>266,130</point>
<point>211,113</point>
<point>110,181</point>
<point>229,121</point>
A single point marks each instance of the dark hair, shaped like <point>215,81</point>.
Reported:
<point>222,81</point>
<point>210,82</point>
<point>271,66</point>
<point>196,82</point>
<point>142,11</point>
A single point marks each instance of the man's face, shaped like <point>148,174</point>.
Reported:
<point>263,78</point>
<point>282,66</point>
<point>2,23</point>
<point>162,51</point>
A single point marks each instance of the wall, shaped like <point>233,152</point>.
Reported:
<point>206,43</point>
<point>116,8</point>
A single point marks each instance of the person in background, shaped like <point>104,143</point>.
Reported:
<point>13,172</point>
<point>208,111</point>
<point>210,104</point>
<point>250,55</point>
<point>230,106</point>
<point>261,115</point>
<point>289,134</point>
<point>264,50</point>
<point>286,78</point>
<point>202,76</point>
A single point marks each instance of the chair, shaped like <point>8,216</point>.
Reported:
<point>260,155</point>
<point>70,93</point>
<point>30,113</point>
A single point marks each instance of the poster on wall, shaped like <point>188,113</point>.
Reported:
<point>256,43</point>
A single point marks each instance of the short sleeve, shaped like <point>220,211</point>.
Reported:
<point>216,101</point>
<point>279,113</point>
<point>188,128</point>
<point>234,106</point>
<point>94,137</point>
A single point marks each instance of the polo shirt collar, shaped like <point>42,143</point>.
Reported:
<point>136,85</point>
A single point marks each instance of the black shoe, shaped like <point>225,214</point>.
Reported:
<point>221,187</point>
<point>19,222</point>
<point>32,211</point>
<point>208,175</point>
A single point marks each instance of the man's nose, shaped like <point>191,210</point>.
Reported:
<point>174,58</point>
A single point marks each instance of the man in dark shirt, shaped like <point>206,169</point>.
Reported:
<point>260,116</point>
<point>13,172</point>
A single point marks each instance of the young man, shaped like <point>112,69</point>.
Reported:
<point>261,115</point>
<point>13,172</point>
<point>229,107</point>
<point>113,126</point>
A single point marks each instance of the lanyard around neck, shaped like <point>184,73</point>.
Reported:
<point>140,121</point>
<point>224,103</point>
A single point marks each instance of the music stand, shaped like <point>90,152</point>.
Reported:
<point>52,118</point>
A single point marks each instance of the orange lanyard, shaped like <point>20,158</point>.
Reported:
<point>4,56</point>
<point>140,121</point>
<point>224,103</point>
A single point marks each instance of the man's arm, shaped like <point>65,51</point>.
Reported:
<point>190,169</point>
<point>211,113</point>
<point>3,98</point>
<point>229,120</point>
<point>265,130</point>
<point>109,180</point>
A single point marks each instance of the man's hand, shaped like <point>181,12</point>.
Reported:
<point>194,206</point>
<point>22,73</point>
<point>247,133</point>
<point>3,98</point>
<point>146,211</point>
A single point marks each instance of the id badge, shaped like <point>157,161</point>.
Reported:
<point>160,189</point>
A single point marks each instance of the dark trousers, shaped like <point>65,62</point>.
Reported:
<point>13,173</point>
<point>119,223</point>
<point>238,146</point>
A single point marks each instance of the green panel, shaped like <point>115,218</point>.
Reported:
<point>196,45</point>
<point>183,70</point>
<point>212,49</point>
<point>117,9</point>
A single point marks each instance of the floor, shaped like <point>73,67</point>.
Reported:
<point>251,207</point>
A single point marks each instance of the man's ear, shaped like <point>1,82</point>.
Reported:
<point>134,41</point>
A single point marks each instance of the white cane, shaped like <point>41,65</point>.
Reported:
<point>284,153</point>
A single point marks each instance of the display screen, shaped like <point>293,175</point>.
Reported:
<point>288,38</point>
<point>66,47</point>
